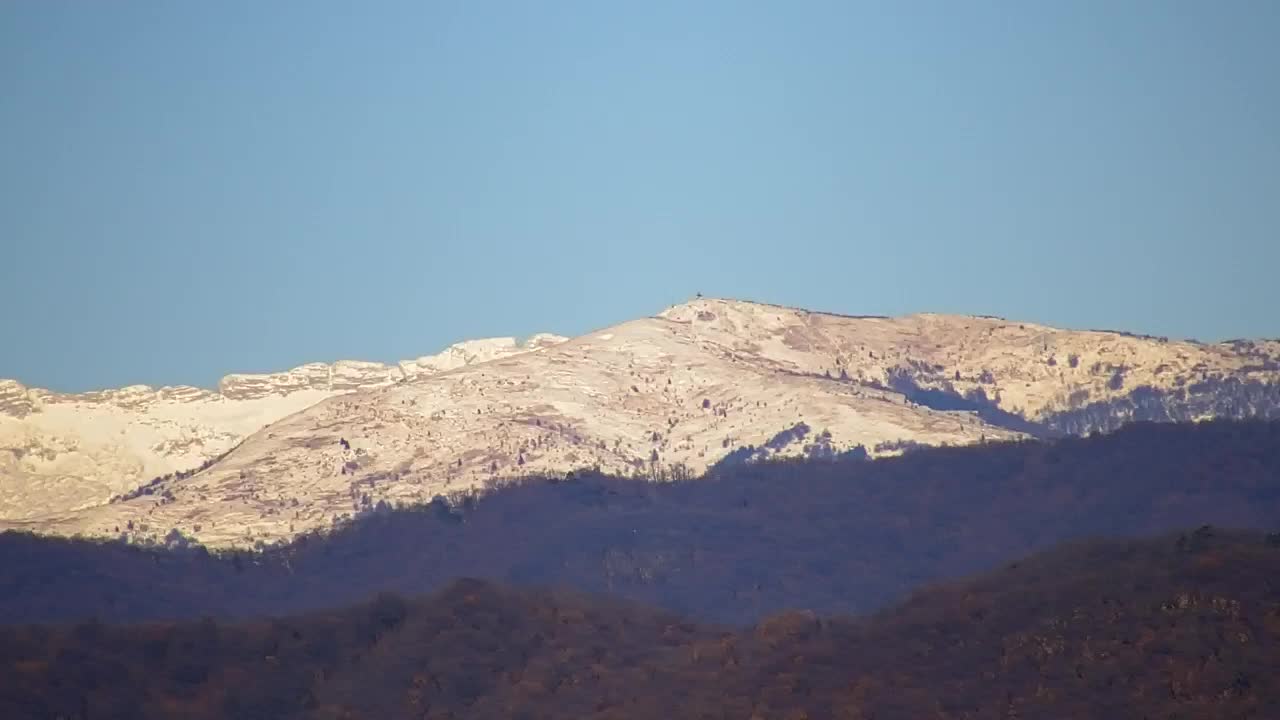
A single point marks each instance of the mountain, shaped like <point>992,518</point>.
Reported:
<point>705,382</point>
<point>1179,626</point>
<point>61,452</point>
<point>837,536</point>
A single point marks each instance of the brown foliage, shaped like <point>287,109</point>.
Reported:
<point>1178,627</point>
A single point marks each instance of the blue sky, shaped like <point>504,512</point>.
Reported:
<point>190,189</point>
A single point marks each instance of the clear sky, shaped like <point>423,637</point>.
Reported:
<point>189,189</point>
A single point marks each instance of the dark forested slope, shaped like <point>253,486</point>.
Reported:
<point>1183,626</point>
<point>836,536</point>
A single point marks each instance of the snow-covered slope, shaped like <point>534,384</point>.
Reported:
<point>684,389</point>
<point>61,452</point>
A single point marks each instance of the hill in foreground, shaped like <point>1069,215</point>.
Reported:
<point>1183,626</point>
<point>836,536</point>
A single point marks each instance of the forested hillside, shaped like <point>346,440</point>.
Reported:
<point>835,536</point>
<point>1183,626</point>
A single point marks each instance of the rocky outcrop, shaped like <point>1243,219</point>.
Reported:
<point>184,394</point>
<point>476,351</point>
<point>349,375</point>
<point>341,376</point>
<point>313,376</point>
<point>15,401</point>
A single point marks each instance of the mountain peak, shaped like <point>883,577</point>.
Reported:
<point>705,382</point>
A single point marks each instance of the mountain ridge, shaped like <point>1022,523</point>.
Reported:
<point>678,392</point>
<point>72,450</point>
<point>366,372</point>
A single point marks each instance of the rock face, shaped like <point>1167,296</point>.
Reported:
<point>343,375</point>
<point>472,352</point>
<point>65,452</point>
<point>15,399</point>
<point>704,383</point>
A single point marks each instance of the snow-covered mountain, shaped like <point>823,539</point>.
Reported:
<point>703,382</point>
<point>61,452</point>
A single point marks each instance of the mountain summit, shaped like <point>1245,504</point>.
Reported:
<point>705,382</point>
